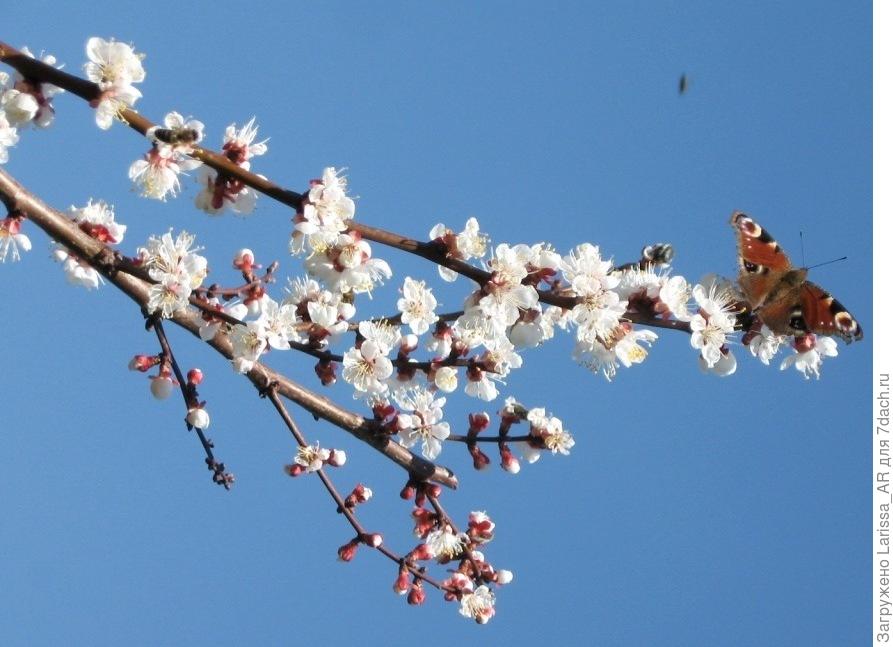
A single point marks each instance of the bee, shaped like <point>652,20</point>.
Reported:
<point>174,136</point>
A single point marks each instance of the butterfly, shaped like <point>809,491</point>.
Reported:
<point>779,294</point>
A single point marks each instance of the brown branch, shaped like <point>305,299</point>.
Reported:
<point>220,475</point>
<point>32,68</point>
<point>271,393</point>
<point>103,259</point>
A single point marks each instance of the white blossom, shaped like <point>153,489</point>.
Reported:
<point>98,220</point>
<point>12,239</point>
<point>249,342</point>
<point>714,321</point>
<point>467,244</point>
<point>417,306</point>
<point>77,271</point>
<point>444,544</point>
<point>367,367</point>
<point>312,457</point>
<point>424,422</point>
<point>115,67</point>
<point>809,360</point>
<point>9,137</point>
<point>765,345</point>
<point>478,605</point>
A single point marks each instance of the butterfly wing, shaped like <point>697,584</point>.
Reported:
<point>761,260</point>
<point>825,315</point>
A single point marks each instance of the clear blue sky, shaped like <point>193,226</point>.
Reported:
<point>693,511</point>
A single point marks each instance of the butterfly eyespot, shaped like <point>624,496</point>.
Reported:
<point>749,267</point>
<point>844,321</point>
<point>797,322</point>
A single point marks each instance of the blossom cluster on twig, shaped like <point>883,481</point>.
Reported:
<point>401,367</point>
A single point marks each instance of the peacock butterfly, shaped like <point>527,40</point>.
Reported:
<point>779,294</point>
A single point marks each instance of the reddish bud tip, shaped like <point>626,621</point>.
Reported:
<point>401,585</point>
<point>348,551</point>
<point>416,594</point>
<point>195,376</point>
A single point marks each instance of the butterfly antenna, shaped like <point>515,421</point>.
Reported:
<point>842,258</point>
<point>802,249</point>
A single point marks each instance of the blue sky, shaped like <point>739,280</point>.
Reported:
<point>693,511</point>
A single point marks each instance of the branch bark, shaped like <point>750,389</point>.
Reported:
<point>103,259</point>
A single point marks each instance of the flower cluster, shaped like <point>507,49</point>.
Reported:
<point>809,350</point>
<point>219,191</point>
<point>312,458</point>
<point>176,268</point>
<point>114,67</point>
<point>467,244</point>
<point>24,102</point>
<point>324,213</point>
<point>97,219</point>
<point>336,255</point>
<point>717,302</point>
<point>471,580</point>
<point>156,174</point>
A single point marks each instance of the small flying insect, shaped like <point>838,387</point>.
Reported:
<point>683,84</point>
<point>174,136</point>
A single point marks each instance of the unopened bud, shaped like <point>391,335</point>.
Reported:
<point>416,594</point>
<point>477,422</point>
<point>401,585</point>
<point>143,363</point>
<point>504,576</point>
<point>161,386</point>
<point>508,462</point>
<point>408,343</point>
<point>372,539</point>
<point>244,260</point>
<point>195,376</point>
<point>479,459</point>
<point>407,492</point>
<point>337,458</point>
<point>198,418</point>
<point>446,379</point>
<point>293,469</point>
<point>348,551</point>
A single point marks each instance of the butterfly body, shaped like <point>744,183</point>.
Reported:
<point>779,293</point>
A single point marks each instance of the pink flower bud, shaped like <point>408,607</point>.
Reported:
<point>417,594</point>
<point>401,585</point>
<point>407,492</point>
<point>293,469</point>
<point>479,459</point>
<point>143,363</point>
<point>325,371</point>
<point>244,260</point>
<point>348,551</point>
<point>477,422</point>
<point>195,376</point>
<point>337,458</point>
<point>509,463</point>
<point>421,553</point>
<point>362,493</point>
<point>372,539</point>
